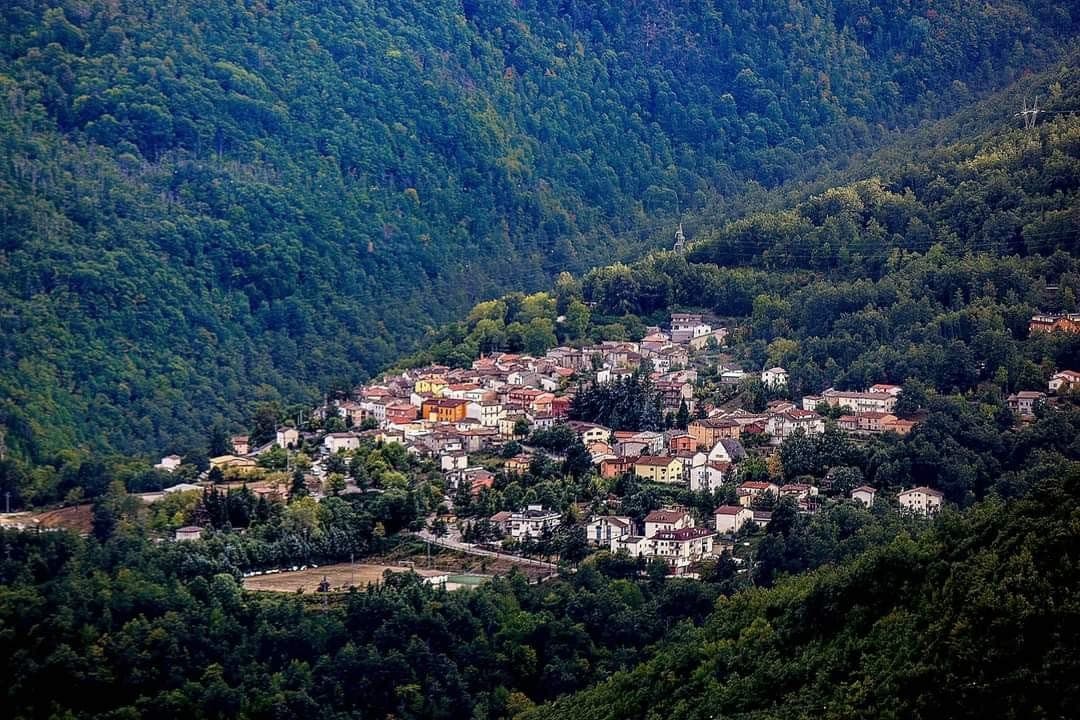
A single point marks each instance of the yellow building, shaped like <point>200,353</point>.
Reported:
<point>433,384</point>
<point>444,410</point>
<point>234,464</point>
<point>659,469</point>
<point>708,432</point>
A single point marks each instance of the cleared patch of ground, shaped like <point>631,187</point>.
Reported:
<point>341,576</point>
<point>77,518</point>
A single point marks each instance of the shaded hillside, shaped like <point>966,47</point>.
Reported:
<point>929,271</point>
<point>975,619</point>
<point>206,205</point>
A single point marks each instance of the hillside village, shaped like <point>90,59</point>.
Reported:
<point>510,419</point>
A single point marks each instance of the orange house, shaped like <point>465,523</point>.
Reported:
<point>614,467</point>
<point>682,442</point>
<point>400,413</point>
<point>448,410</point>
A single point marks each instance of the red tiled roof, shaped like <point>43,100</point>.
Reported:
<point>664,516</point>
<point>656,460</point>
<point>684,534</point>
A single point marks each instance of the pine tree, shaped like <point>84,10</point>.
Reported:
<point>682,418</point>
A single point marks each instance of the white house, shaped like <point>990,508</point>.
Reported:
<point>921,500</point>
<point>685,334</point>
<point>686,321</point>
<point>667,519</point>
<point>632,545</point>
<point>169,463</point>
<point>336,442</point>
<point>864,494</point>
<point>590,432</point>
<point>716,473</point>
<point>680,548</point>
<point>727,450</point>
<point>732,376</point>
<point>776,377</point>
<point>488,412</point>
<point>287,437</point>
<point>452,461</point>
<point>602,529</point>
<point>695,469</point>
<point>1064,380</point>
<point>859,401</point>
<point>190,532</point>
<point>531,522</point>
<point>782,425</point>
<point>1024,402</point>
<point>730,518</point>
<point>653,440</point>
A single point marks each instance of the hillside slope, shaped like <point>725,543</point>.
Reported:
<point>206,205</point>
<point>929,270</point>
<point>975,619</point>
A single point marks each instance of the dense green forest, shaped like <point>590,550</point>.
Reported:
<point>212,212</point>
<point>204,205</point>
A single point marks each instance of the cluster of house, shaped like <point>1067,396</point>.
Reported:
<point>242,460</point>
<point>449,413</point>
<point>1024,402</point>
<point>452,413</point>
<point>672,534</point>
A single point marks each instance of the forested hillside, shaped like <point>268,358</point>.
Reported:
<point>207,204</point>
<point>971,620</point>
<point>929,271</point>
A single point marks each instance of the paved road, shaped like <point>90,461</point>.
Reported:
<point>473,550</point>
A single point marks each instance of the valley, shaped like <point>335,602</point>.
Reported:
<point>515,361</point>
